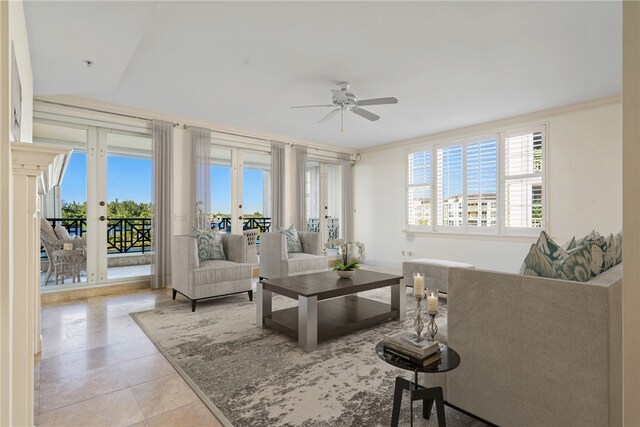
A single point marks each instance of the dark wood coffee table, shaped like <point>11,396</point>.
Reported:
<point>327,305</point>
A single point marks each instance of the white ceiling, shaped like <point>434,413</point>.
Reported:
<point>450,64</point>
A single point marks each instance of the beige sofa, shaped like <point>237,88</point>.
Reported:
<point>535,351</point>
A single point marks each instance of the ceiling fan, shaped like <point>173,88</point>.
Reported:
<point>344,100</point>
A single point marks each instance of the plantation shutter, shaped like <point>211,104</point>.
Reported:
<point>419,188</point>
<point>523,184</point>
<point>482,180</point>
<point>450,180</point>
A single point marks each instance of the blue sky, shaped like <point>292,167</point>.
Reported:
<point>130,179</point>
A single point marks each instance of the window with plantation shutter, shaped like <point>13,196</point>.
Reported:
<point>523,179</point>
<point>450,182</point>
<point>483,184</point>
<point>482,181</point>
<point>419,188</point>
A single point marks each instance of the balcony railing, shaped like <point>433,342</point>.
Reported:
<point>313,224</point>
<point>134,235</point>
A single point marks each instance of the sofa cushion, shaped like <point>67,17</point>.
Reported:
<point>209,245</point>
<point>293,241</point>
<point>301,262</point>
<point>219,271</point>
<point>537,263</point>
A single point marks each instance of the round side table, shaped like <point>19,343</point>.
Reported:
<point>450,360</point>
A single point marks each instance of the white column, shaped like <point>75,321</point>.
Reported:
<point>28,161</point>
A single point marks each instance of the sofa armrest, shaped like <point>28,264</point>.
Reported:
<point>548,349</point>
<point>235,247</point>
<point>184,258</point>
<point>273,251</point>
<point>311,242</point>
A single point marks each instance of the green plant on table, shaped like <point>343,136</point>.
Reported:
<point>346,267</point>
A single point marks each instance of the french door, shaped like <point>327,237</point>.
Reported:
<point>323,191</point>
<point>104,197</point>
<point>240,189</point>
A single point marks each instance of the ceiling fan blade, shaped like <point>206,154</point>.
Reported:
<point>366,114</point>
<point>328,116</point>
<point>313,106</point>
<point>339,95</point>
<point>378,101</point>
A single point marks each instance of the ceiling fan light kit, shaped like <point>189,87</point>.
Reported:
<point>344,100</point>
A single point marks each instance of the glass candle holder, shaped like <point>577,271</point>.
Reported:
<point>418,285</point>
<point>432,301</point>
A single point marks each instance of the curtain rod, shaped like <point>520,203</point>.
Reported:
<point>186,126</point>
<point>96,110</point>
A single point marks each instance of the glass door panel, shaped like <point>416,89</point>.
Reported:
<point>127,229</point>
<point>64,205</point>
<point>222,182</point>
<point>333,204</point>
<point>256,191</point>
<point>312,196</point>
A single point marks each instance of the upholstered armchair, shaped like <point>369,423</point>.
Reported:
<point>207,279</point>
<point>276,262</point>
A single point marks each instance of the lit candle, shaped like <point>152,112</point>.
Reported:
<point>418,285</point>
<point>432,303</point>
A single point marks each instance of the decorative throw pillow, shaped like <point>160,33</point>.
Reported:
<point>618,239</point>
<point>293,241</point>
<point>550,248</point>
<point>209,245</point>
<point>62,233</point>
<point>588,238</point>
<point>537,263</point>
<point>578,265</point>
<point>610,253</point>
<point>570,245</point>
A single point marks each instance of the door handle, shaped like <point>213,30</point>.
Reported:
<point>240,217</point>
<point>326,217</point>
<point>102,203</point>
<point>102,218</point>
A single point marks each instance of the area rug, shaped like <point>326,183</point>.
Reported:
<point>254,377</point>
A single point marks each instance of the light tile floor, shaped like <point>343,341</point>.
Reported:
<point>98,368</point>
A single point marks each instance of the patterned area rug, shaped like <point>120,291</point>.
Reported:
<point>254,377</point>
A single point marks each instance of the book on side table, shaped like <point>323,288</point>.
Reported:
<point>405,345</point>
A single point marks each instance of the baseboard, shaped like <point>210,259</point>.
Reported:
<point>95,291</point>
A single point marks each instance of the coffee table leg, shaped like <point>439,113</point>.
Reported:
<point>307,323</point>
<point>398,300</point>
<point>263,304</point>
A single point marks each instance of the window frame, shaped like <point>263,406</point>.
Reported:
<point>500,228</point>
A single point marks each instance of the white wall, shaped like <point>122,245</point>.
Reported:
<point>584,191</point>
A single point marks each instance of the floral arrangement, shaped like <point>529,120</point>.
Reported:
<point>348,267</point>
<point>350,252</point>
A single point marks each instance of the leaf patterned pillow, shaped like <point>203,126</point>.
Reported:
<point>610,253</point>
<point>618,239</point>
<point>537,263</point>
<point>550,248</point>
<point>570,245</point>
<point>578,265</point>
<point>293,241</point>
<point>209,245</point>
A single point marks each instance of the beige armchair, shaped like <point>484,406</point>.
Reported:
<point>208,279</point>
<point>276,262</point>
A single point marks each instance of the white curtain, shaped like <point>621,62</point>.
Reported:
<point>277,184</point>
<point>347,199</point>
<point>162,203</point>
<point>201,160</point>
<point>299,218</point>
